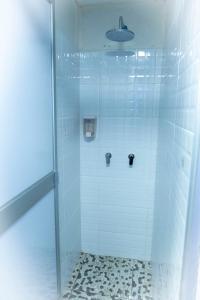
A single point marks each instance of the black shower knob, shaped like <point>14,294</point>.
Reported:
<point>131,158</point>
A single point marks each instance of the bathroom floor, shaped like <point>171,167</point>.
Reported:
<point>110,278</point>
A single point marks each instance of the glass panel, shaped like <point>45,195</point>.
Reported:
<point>27,255</point>
<point>25,95</point>
<point>27,248</point>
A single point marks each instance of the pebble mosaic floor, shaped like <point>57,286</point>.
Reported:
<point>109,278</point>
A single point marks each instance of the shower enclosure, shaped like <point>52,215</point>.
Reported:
<point>100,155</point>
<point>124,204</point>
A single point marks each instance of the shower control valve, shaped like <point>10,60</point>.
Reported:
<point>108,158</point>
<point>131,158</point>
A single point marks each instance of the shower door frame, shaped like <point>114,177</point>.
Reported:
<point>55,152</point>
<point>193,204</point>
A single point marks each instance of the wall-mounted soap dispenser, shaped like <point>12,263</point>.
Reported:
<point>89,127</point>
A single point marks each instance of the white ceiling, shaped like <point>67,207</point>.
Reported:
<point>95,2</point>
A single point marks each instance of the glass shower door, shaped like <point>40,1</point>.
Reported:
<point>27,219</point>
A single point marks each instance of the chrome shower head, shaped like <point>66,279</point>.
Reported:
<point>122,34</point>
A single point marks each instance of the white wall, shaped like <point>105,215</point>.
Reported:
<point>145,18</point>
<point>177,135</point>
<point>117,201</point>
<point>67,98</point>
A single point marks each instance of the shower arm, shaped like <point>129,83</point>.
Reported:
<point>121,23</point>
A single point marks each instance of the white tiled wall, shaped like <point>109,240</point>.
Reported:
<point>68,130</point>
<point>117,201</point>
<point>177,134</point>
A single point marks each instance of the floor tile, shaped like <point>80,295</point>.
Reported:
<point>110,278</point>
